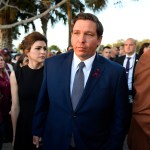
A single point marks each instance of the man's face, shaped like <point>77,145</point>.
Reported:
<point>84,39</point>
<point>129,46</point>
<point>106,53</point>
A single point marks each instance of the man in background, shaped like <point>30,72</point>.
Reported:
<point>129,61</point>
<point>106,52</point>
<point>114,53</point>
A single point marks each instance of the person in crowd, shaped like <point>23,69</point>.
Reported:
<point>17,56</point>
<point>92,114</point>
<point>106,52</point>
<point>22,61</point>
<point>69,48</point>
<point>49,54</point>
<point>25,85</point>
<point>5,97</point>
<point>15,59</point>
<point>121,50</point>
<point>129,61</point>
<point>7,58</point>
<point>144,48</point>
<point>114,53</point>
<point>1,126</point>
<point>139,134</point>
<point>58,52</point>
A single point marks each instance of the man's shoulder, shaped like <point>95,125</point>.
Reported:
<point>120,58</point>
<point>137,56</point>
<point>145,58</point>
<point>110,64</point>
<point>59,57</point>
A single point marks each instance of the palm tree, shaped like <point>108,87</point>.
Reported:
<point>10,14</point>
<point>73,7</point>
<point>69,11</point>
<point>54,16</point>
<point>44,5</point>
<point>95,5</point>
<point>7,16</point>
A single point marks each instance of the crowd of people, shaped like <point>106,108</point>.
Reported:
<point>78,100</point>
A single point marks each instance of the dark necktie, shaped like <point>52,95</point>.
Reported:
<point>128,66</point>
<point>78,85</point>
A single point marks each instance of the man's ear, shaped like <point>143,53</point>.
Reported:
<point>99,41</point>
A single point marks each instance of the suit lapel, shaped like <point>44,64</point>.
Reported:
<point>94,76</point>
<point>67,77</point>
<point>122,60</point>
<point>136,60</point>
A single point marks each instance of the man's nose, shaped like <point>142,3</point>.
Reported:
<point>81,38</point>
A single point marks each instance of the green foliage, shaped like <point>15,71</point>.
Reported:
<point>139,44</point>
<point>53,47</point>
<point>96,5</point>
<point>61,12</point>
<point>23,9</point>
<point>121,42</point>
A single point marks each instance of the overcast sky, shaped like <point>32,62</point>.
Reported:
<point>131,19</point>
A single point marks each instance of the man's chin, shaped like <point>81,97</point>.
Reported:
<point>83,56</point>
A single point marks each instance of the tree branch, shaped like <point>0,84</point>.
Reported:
<point>11,6</point>
<point>1,2</point>
<point>32,18</point>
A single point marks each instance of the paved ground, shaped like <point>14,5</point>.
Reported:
<point>125,147</point>
<point>7,146</point>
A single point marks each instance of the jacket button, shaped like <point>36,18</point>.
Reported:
<point>74,115</point>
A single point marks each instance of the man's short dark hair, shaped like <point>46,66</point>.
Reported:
<point>91,17</point>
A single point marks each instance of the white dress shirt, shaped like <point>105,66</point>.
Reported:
<point>130,74</point>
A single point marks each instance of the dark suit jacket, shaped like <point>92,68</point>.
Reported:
<point>120,60</point>
<point>99,121</point>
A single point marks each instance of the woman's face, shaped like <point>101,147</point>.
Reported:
<point>38,52</point>
<point>2,63</point>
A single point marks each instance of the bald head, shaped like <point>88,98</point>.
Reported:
<point>130,46</point>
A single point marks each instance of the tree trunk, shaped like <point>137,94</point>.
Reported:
<point>44,20</point>
<point>6,39</point>
<point>7,16</point>
<point>69,20</point>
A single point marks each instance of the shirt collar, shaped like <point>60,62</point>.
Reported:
<point>131,56</point>
<point>88,62</point>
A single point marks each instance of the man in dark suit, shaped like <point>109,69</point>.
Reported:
<point>130,50</point>
<point>129,61</point>
<point>98,119</point>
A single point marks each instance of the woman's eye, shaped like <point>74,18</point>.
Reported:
<point>45,49</point>
<point>38,48</point>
